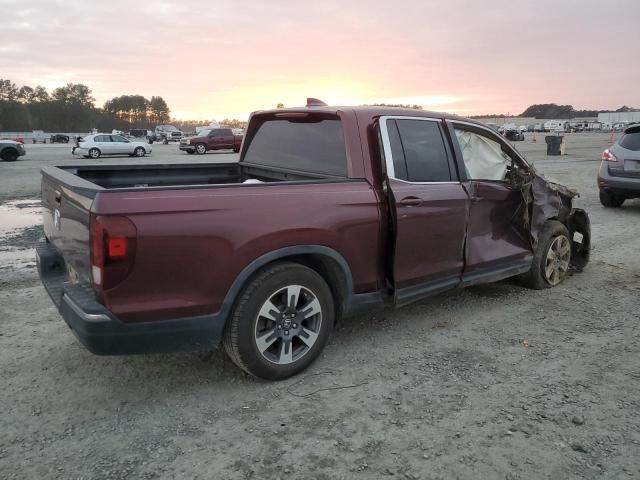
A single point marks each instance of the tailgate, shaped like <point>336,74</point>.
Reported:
<point>66,226</point>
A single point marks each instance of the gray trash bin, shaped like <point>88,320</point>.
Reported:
<point>554,144</point>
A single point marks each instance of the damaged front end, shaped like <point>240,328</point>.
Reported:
<point>546,201</point>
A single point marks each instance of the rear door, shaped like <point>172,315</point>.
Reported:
<point>498,234</point>
<point>226,138</point>
<point>428,207</point>
<point>103,142</point>
<point>215,139</point>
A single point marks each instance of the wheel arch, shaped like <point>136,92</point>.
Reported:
<point>325,261</point>
<point>8,148</point>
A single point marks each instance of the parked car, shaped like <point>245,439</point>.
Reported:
<point>94,146</point>
<point>213,139</point>
<point>328,211</point>
<point>619,175</point>
<point>59,138</point>
<point>523,128</point>
<point>10,150</point>
<point>140,133</point>
<point>166,134</point>
<point>514,135</point>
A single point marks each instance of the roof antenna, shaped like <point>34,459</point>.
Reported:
<point>314,102</point>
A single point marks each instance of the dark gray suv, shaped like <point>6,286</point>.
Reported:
<point>619,175</point>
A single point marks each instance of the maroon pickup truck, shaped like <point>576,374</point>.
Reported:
<point>328,211</point>
<point>213,139</point>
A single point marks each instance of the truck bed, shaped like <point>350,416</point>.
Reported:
<point>136,177</point>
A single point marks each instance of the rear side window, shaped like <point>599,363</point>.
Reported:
<point>631,140</point>
<point>309,144</point>
<point>418,151</point>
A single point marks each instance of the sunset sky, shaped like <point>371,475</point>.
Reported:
<point>211,60</point>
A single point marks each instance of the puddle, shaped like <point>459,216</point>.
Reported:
<point>20,228</point>
<point>19,214</point>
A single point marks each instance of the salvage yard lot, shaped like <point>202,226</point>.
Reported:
<point>494,381</point>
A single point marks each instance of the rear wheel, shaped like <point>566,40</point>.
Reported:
<point>94,153</point>
<point>551,259</point>
<point>610,199</point>
<point>10,155</point>
<point>201,148</point>
<point>139,152</point>
<point>281,322</point>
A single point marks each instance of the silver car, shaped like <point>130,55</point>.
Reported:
<point>619,175</point>
<point>94,146</point>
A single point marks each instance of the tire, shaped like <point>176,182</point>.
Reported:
<point>165,142</point>
<point>139,152</point>
<point>10,155</point>
<point>201,148</point>
<point>262,336</point>
<point>551,260</point>
<point>610,199</point>
<point>94,153</point>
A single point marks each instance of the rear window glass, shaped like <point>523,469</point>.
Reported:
<point>418,151</point>
<point>314,145</point>
<point>631,141</point>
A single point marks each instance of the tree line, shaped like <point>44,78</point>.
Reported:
<point>72,108</point>
<point>553,111</point>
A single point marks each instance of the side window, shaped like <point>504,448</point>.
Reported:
<point>418,151</point>
<point>117,138</point>
<point>226,132</point>
<point>483,157</point>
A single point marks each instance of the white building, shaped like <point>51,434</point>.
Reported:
<point>617,117</point>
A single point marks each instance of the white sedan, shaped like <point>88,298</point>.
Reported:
<point>93,146</point>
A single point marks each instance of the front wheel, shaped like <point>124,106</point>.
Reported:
<point>281,322</point>
<point>10,155</point>
<point>610,199</point>
<point>139,152</point>
<point>201,149</point>
<point>552,257</point>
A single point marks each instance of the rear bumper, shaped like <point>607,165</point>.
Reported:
<point>102,333</point>
<point>629,186</point>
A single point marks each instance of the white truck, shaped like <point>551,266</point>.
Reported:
<point>166,134</point>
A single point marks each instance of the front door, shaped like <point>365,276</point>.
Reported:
<point>498,239</point>
<point>121,145</point>
<point>428,207</point>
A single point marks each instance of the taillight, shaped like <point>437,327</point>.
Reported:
<point>607,156</point>
<point>113,248</point>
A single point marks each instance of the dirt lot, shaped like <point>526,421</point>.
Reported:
<point>495,381</point>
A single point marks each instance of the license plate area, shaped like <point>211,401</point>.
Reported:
<point>632,166</point>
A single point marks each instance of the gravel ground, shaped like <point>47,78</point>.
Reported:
<point>494,381</point>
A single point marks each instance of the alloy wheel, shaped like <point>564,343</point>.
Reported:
<point>557,261</point>
<point>288,324</point>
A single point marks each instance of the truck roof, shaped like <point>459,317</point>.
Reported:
<point>368,111</point>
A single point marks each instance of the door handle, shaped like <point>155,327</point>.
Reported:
<point>410,202</point>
